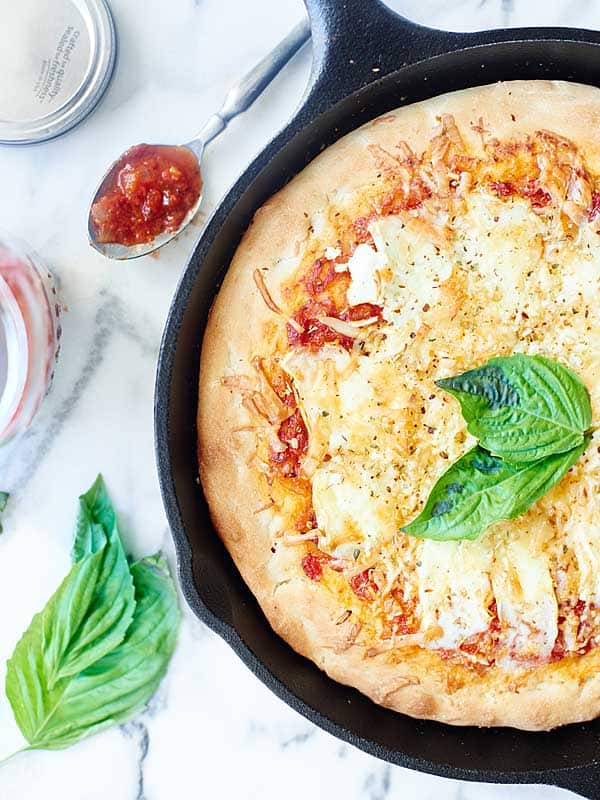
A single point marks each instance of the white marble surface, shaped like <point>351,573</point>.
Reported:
<point>213,730</point>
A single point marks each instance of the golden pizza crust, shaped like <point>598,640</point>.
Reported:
<point>413,681</point>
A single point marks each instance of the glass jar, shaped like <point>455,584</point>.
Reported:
<point>29,335</point>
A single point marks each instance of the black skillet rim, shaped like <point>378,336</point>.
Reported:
<point>312,106</point>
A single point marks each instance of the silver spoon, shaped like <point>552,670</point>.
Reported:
<point>239,98</point>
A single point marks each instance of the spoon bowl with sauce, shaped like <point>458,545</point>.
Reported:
<point>150,194</point>
<point>153,191</point>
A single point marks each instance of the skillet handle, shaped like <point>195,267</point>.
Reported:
<point>356,42</point>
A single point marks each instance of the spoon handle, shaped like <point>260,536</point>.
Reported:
<point>241,96</point>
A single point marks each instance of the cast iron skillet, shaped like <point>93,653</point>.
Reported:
<point>366,61</point>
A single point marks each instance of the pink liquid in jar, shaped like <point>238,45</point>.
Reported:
<point>29,336</point>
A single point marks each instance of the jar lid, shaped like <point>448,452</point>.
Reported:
<point>56,59</point>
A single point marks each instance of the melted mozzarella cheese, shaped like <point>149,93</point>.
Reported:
<point>454,590</point>
<point>501,242</point>
<point>500,284</point>
<point>580,271</point>
<point>583,537</point>
<point>364,266</point>
<point>315,377</point>
<point>352,505</point>
<point>582,525</point>
<point>417,270</point>
<point>526,602</point>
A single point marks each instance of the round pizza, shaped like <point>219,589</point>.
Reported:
<point>399,401</point>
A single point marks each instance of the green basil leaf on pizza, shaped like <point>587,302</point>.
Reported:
<point>480,489</point>
<point>523,408</point>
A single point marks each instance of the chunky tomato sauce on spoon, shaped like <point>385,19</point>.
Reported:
<point>148,192</point>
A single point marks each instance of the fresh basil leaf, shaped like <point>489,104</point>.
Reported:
<point>3,501</point>
<point>95,521</point>
<point>33,670</point>
<point>113,604</point>
<point>110,613</point>
<point>523,408</point>
<point>480,489</point>
<point>117,623</point>
<point>114,688</point>
<point>80,626</point>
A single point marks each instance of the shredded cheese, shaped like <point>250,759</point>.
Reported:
<point>460,281</point>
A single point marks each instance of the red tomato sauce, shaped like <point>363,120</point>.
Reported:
<point>595,207</point>
<point>149,191</point>
<point>503,188</point>
<point>360,228</point>
<point>559,650</point>
<point>313,567</point>
<point>362,311</point>
<point>292,432</point>
<point>406,621</point>
<point>529,190</point>
<point>535,194</point>
<point>321,274</point>
<point>402,200</point>
<point>363,585</point>
<point>584,640</point>
<point>315,334</point>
